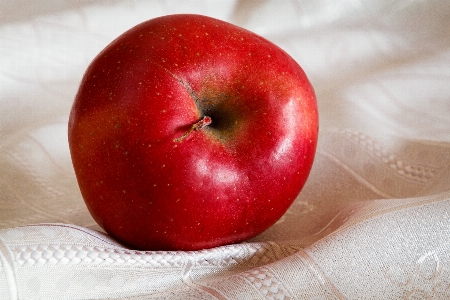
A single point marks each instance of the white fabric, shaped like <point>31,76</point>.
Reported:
<point>373,221</point>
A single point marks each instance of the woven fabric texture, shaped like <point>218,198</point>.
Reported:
<point>372,222</point>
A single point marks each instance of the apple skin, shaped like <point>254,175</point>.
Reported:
<point>226,182</point>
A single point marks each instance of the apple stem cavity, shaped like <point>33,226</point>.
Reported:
<point>205,121</point>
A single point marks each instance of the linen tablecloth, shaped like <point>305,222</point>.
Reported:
<point>372,222</point>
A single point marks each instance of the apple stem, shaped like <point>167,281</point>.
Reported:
<point>205,121</point>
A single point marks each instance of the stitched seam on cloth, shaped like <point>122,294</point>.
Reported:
<point>320,275</point>
<point>188,281</point>
<point>251,276</point>
<point>391,159</point>
<point>425,201</point>
<point>78,228</point>
<point>8,265</point>
<point>355,175</point>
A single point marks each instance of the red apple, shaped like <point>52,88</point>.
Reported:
<point>188,132</point>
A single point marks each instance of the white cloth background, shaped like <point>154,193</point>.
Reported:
<point>373,221</point>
